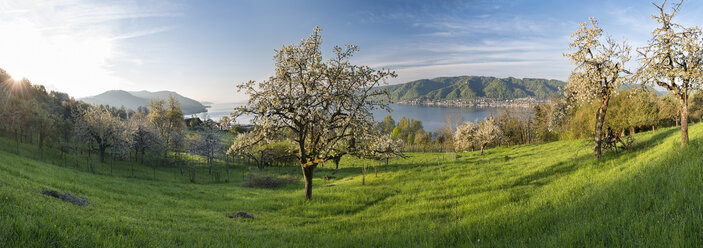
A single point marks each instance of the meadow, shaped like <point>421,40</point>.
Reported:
<point>554,195</point>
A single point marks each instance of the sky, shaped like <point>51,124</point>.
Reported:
<point>203,49</point>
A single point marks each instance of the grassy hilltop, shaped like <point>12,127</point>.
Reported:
<point>553,194</point>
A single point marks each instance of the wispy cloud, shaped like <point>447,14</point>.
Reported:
<point>142,33</point>
<point>517,54</point>
<point>488,45</point>
<point>73,44</point>
<point>477,38</point>
<point>487,24</point>
<point>516,62</point>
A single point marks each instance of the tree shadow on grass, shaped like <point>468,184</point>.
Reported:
<point>560,169</point>
<point>546,175</point>
<point>641,207</point>
<point>654,139</point>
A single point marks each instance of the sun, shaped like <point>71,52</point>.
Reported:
<point>69,55</point>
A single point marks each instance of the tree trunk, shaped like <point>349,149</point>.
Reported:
<point>62,158</point>
<point>653,130</point>
<point>684,123</point>
<point>632,130</point>
<point>102,154</point>
<point>90,160</point>
<point>261,162</point>
<point>17,142</point>
<point>307,174</point>
<point>363,175</point>
<point>482,146</point>
<point>180,164</point>
<point>41,144</point>
<point>226,168</point>
<point>191,173</point>
<point>75,149</point>
<point>600,119</point>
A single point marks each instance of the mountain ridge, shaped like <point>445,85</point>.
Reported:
<point>475,87</point>
<point>135,99</point>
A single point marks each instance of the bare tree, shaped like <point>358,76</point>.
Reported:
<point>673,59</point>
<point>207,145</point>
<point>143,136</point>
<point>123,143</point>
<point>599,68</point>
<point>320,102</point>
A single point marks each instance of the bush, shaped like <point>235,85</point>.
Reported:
<point>262,180</point>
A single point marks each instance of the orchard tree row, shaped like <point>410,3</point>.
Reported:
<point>32,115</point>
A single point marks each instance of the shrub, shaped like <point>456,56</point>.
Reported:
<point>268,181</point>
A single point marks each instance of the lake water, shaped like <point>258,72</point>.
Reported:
<point>217,110</point>
<point>433,118</point>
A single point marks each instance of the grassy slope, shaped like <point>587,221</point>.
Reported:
<point>554,194</point>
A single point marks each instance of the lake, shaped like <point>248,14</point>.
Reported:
<point>432,117</point>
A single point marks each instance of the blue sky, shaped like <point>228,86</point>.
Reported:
<point>202,49</point>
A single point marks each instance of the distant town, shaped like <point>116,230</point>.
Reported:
<point>525,102</point>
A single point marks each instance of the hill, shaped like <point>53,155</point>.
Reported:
<point>475,87</point>
<point>135,99</point>
<point>548,195</point>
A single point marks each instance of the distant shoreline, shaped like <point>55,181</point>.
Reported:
<point>527,102</point>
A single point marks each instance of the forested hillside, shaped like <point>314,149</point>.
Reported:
<point>135,99</point>
<point>475,87</point>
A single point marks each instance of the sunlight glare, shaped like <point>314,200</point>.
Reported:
<point>70,55</point>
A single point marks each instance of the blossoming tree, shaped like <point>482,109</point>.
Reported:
<point>322,103</point>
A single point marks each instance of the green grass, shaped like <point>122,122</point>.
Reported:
<point>553,194</point>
